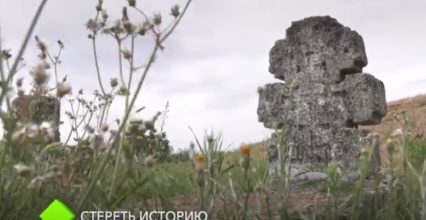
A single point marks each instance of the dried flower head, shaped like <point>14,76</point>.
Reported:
<point>93,25</point>
<point>63,89</point>
<point>40,75</point>
<point>41,45</point>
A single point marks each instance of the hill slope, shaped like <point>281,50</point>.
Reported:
<point>412,110</point>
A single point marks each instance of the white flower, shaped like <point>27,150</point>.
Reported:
<point>47,131</point>
<point>31,130</point>
<point>63,89</point>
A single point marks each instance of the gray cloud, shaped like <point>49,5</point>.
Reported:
<point>218,56</point>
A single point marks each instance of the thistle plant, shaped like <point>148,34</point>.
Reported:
<point>33,164</point>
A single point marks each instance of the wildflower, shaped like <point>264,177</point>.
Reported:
<point>149,161</point>
<point>39,75</point>
<point>92,25</point>
<point>200,163</point>
<point>245,150</point>
<point>175,11</point>
<point>63,89</point>
<point>200,167</point>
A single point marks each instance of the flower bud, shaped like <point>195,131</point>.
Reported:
<point>126,54</point>
<point>63,89</point>
<point>113,82</point>
<point>157,19</point>
<point>39,75</point>
<point>175,11</point>
<point>132,3</point>
<point>19,82</point>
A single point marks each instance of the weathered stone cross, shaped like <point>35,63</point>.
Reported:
<point>325,95</point>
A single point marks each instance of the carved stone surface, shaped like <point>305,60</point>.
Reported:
<point>325,95</point>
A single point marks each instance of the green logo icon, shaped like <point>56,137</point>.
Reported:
<point>57,211</point>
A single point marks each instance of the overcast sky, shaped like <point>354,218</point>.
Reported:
<point>218,56</point>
